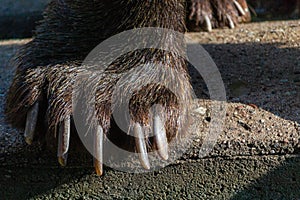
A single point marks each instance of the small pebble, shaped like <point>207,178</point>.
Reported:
<point>200,110</point>
<point>272,152</point>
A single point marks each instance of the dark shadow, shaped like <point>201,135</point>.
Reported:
<point>272,10</point>
<point>19,26</point>
<point>263,18</point>
<point>283,182</point>
<point>267,75</point>
<point>31,171</point>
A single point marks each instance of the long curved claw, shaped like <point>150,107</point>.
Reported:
<point>31,121</point>
<point>98,151</point>
<point>231,23</point>
<point>160,137</point>
<point>141,145</point>
<point>208,23</point>
<point>239,8</point>
<point>63,141</point>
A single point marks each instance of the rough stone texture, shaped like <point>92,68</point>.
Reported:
<point>256,156</point>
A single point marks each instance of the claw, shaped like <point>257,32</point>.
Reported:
<point>208,23</point>
<point>141,145</point>
<point>98,151</point>
<point>31,121</point>
<point>160,137</point>
<point>63,141</point>
<point>231,23</point>
<point>239,7</point>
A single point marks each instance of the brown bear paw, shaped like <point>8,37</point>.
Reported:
<point>41,102</point>
<point>209,14</point>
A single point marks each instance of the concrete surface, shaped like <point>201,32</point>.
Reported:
<point>256,156</point>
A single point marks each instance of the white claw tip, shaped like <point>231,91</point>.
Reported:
<point>141,146</point>
<point>160,137</point>
<point>208,24</point>
<point>231,23</point>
